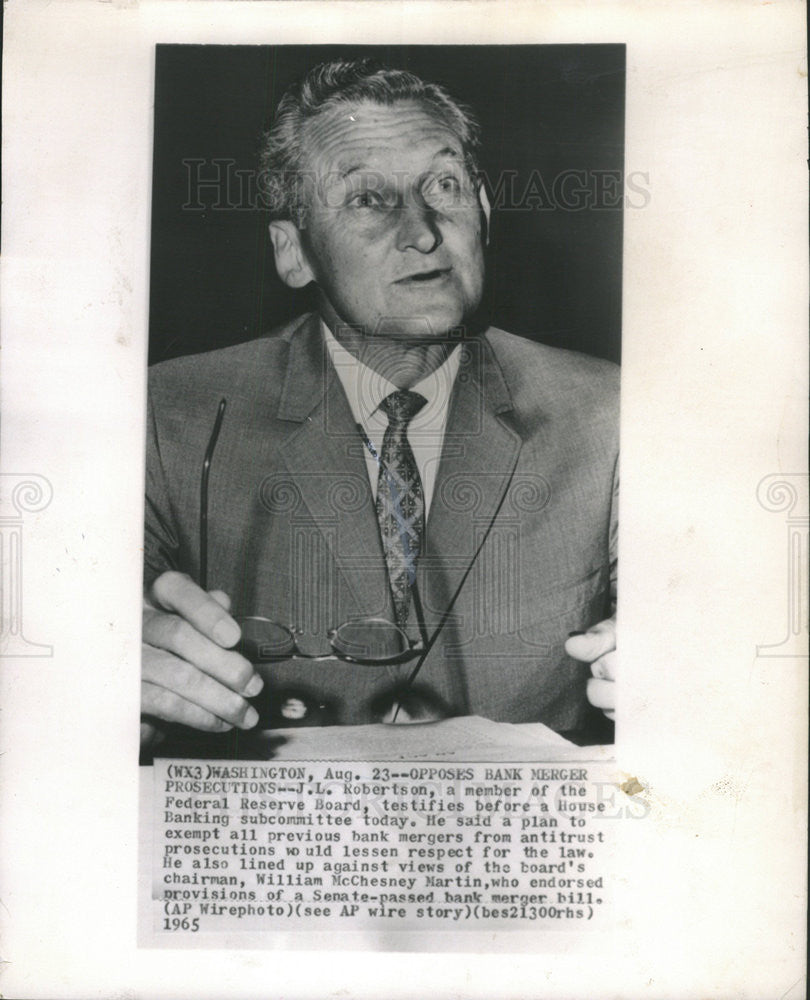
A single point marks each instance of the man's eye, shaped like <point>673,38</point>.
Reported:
<point>442,191</point>
<point>365,199</point>
<point>446,185</point>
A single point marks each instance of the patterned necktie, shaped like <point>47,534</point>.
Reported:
<point>400,500</point>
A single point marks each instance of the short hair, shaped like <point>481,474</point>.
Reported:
<point>342,82</point>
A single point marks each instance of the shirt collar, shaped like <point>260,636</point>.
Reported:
<point>366,388</point>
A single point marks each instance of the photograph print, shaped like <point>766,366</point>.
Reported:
<point>383,408</point>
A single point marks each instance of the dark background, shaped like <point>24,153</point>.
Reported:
<point>554,273</point>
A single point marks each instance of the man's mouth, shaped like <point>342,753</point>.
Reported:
<point>424,277</point>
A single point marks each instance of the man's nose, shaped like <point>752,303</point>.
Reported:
<point>418,227</point>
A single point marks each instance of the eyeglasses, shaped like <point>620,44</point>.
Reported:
<point>368,641</point>
<point>365,641</point>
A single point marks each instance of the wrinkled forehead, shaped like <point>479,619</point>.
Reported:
<point>402,137</point>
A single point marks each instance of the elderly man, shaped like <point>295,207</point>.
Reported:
<point>381,511</point>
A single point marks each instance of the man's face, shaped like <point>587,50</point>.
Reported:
<point>393,231</point>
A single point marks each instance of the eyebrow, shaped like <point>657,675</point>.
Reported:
<point>356,168</point>
<point>446,151</point>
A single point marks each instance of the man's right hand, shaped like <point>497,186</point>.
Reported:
<point>190,673</point>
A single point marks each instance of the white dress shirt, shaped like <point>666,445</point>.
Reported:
<point>366,389</point>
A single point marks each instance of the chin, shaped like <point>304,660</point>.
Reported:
<point>427,325</point>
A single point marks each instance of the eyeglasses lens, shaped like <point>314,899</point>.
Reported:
<point>370,641</point>
<point>263,641</point>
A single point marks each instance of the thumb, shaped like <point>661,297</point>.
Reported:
<point>598,640</point>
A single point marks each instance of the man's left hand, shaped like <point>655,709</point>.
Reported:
<point>597,646</point>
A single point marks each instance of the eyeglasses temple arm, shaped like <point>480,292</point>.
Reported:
<point>206,469</point>
<point>420,615</point>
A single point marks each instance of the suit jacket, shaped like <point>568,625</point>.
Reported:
<point>520,536</point>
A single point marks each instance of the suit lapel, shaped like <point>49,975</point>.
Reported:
<point>324,457</point>
<point>480,452</point>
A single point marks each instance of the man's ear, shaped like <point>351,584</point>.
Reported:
<point>291,261</point>
<point>486,209</point>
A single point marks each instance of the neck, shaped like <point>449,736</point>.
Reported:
<point>400,362</point>
<point>403,362</point>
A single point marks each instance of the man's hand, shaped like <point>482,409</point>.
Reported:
<point>597,646</point>
<point>190,674</point>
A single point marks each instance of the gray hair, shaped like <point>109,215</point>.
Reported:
<point>281,167</point>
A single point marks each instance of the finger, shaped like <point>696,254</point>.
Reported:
<point>172,707</point>
<point>590,645</point>
<point>602,694</point>
<point>175,635</point>
<point>191,685</point>
<point>221,598</point>
<point>178,592</point>
<point>606,667</point>
<point>150,733</point>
